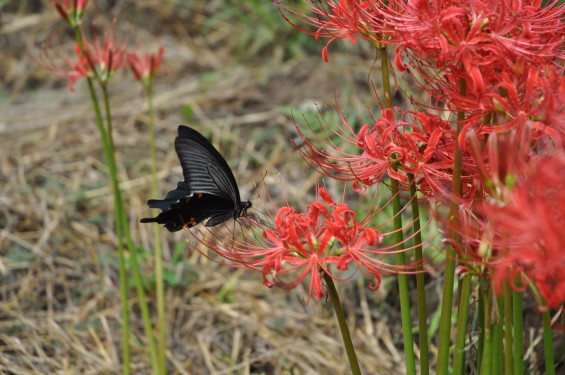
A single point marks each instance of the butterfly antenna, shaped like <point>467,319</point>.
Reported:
<point>256,186</point>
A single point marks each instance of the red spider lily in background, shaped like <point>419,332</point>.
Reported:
<point>418,143</point>
<point>145,67</point>
<point>327,238</point>
<point>104,56</point>
<point>71,12</point>
<point>530,226</point>
<point>97,58</point>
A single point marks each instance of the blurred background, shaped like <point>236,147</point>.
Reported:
<point>237,72</point>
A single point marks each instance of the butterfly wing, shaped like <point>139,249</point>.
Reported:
<point>204,169</point>
<point>209,190</point>
<point>186,211</point>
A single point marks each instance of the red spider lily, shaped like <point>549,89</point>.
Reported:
<point>145,67</point>
<point>529,98</point>
<point>104,56</point>
<point>332,20</point>
<point>499,160</point>
<point>530,227</point>
<point>96,59</point>
<point>419,143</point>
<point>326,239</point>
<point>481,43</point>
<point>474,33</point>
<point>71,12</point>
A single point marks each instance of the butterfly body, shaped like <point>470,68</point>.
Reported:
<point>209,190</point>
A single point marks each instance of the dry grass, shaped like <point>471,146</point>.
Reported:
<point>59,302</point>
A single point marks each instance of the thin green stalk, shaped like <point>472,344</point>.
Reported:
<point>486,358</point>
<point>347,342</point>
<point>482,322</point>
<point>449,274</point>
<point>498,348</point>
<point>462,318</point>
<point>108,154</point>
<point>407,336</point>
<point>158,257</point>
<point>508,367</point>
<point>123,221</point>
<point>548,344</point>
<point>518,323</point>
<point>420,282</point>
<point>561,352</point>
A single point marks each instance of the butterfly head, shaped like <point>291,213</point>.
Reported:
<point>242,211</point>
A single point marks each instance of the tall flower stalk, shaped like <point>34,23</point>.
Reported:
<point>97,60</point>
<point>145,68</point>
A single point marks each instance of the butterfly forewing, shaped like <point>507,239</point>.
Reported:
<point>204,169</point>
<point>209,190</point>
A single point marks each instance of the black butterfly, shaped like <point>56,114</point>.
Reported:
<point>209,190</point>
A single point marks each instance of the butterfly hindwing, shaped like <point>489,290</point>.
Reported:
<point>190,210</point>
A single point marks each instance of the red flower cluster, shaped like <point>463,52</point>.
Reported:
<point>497,48</point>
<point>327,238</point>
<point>73,12</point>
<point>101,57</point>
<point>530,233</point>
<point>342,19</point>
<point>145,67</point>
<point>397,144</point>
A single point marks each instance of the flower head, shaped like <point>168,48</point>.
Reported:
<point>71,12</point>
<point>98,58</point>
<point>104,56</point>
<point>397,144</point>
<point>325,239</point>
<point>342,19</point>
<point>529,227</point>
<point>146,66</point>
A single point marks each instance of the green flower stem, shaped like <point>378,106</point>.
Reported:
<point>123,222</point>
<point>462,318</point>
<point>498,347</point>
<point>420,282</point>
<point>158,257</point>
<point>518,324</point>
<point>486,358</point>
<point>409,359</point>
<point>548,345</point>
<point>481,322</point>
<point>408,338</point>
<point>108,154</point>
<point>508,360</point>
<point>561,351</point>
<point>449,274</point>
<point>353,363</point>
